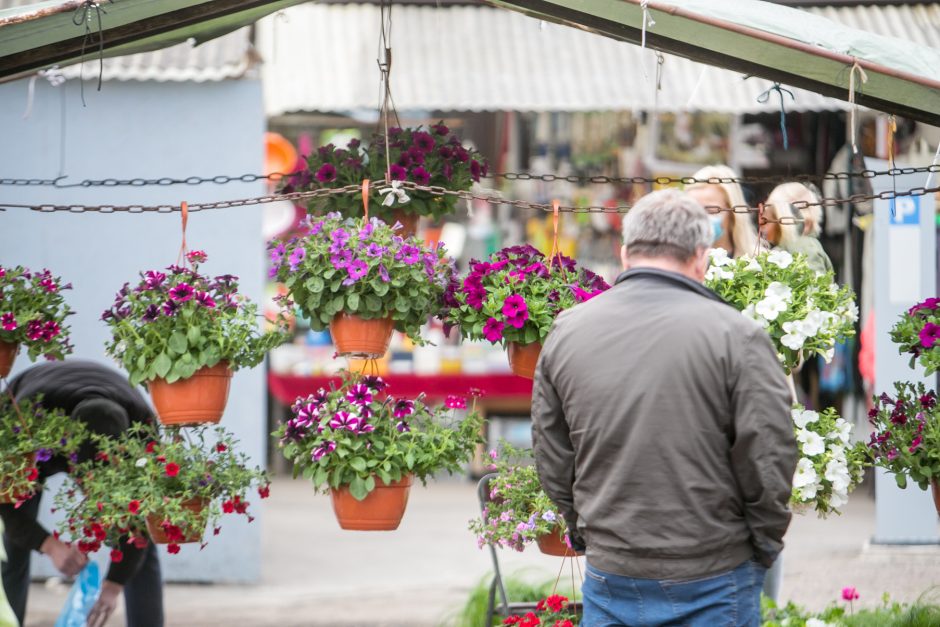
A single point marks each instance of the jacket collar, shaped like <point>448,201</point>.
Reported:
<point>669,277</point>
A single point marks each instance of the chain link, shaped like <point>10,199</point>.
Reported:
<point>493,198</point>
<point>509,176</point>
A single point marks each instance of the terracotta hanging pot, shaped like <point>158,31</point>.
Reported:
<point>197,400</point>
<point>408,220</point>
<point>523,357</point>
<point>381,510</point>
<point>361,339</point>
<point>553,544</point>
<point>935,490</point>
<point>6,493</point>
<point>7,356</point>
<point>158,533</point>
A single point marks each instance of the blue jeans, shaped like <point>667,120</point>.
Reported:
<point>729,599</point>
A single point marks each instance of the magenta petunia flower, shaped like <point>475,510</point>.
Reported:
<point>475,170</point>
<point>402,426</point>
<point>34,330</point>
<point>50,330</point>
<point>916,442</point>
<point>359,394</point>
<point>929,335</point>
<point>374,382</point>
<point>440,129</point>
<point>849,593</point>
<point>420,176</point>
<point>296,257</point>
<point>8,320</point>
<point>196,256</point>
<point>326,173</point>
<point>515,306</point>
<point>374,250</point>
<point>182,292</point>
<point>204,299</point>
<point>170,308</point>
<point>397,173</point>
<point>356,270</point>
<point>518,321</point>
<point>423,141</point>
<point>325,449</point>
<point>417,155</point>
<point>403,408</point>
<point>383,273</point>
<point>345,420</point>
<point>446,152</point>
<point>493,330</point>
<point>455,402</point>
<point>49,285</point>
<point>409,254</point>
<point>151,313</point>
<point>341,259</point>
<point>153,279</point>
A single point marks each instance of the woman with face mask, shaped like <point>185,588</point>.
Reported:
<point>795,238</point>
<point>733,231</point>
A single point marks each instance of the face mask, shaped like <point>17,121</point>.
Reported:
<point>717,225</point>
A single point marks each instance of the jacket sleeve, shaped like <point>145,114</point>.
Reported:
<point>21,528</point>
<point>121,572</point>
<point>764,451</point>
<point>551,442</point>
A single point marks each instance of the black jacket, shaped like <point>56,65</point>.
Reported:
<point>63,385</point>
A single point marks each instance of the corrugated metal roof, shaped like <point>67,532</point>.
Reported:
<point>229,56</point>
<point>323,58</point>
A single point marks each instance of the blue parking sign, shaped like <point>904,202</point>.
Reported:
<point>905,210</point>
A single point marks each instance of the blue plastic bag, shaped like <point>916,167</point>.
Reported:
<point>82,598</point>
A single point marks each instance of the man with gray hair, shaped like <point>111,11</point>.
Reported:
<point>662,431</point>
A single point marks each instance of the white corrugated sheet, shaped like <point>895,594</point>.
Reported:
<point>474,58</point>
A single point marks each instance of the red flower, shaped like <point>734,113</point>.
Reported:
<point>221,447</point>
<point>530,620</point>
<point>32,474</point>
<point>151,446</point>
<point>228,507</point>
<point>216,531</point>
<point>161,458</point>
<point>101,457</point>
<point>116,556</point>
<point>264,491</point>
<point>172,469</point>
<point>512,620</point>
<point>99,505</point>
<point>173,549</point>
<point>134,506</point>
<point>140,542</point>
<point>240,506</point>
<point>555,603</point>
<point>563,623</point>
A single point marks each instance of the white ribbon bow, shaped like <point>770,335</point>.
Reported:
<point>393,194</point>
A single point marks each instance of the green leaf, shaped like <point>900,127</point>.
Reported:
<point>352,302</point>
<point>320,476</point>
<point>162,365</point>
<point>380,287</point>
<point>193,334</point>
<point>370,483</point>
<point>177,343</point>
<point>358,463</point>
<point>358,489</point>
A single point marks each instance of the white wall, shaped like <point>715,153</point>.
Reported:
<point>145,130</point>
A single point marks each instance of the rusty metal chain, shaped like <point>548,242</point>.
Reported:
<point>509,176</point>
<point>491,198</point>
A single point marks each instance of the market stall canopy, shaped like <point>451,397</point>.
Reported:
<point>322,57</point>
<point>36,36</point>
<point>774,42</point>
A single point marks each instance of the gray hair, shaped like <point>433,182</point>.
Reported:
<point>667,223</point>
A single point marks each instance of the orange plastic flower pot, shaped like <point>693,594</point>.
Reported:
<point>6,491</point>
<point>361,339</point>
<point>523,357</point>
<point>7,356</point>
<point>197,400</point>
<point>158,533</point>
<point>553,544</point>
<point>381,510</point>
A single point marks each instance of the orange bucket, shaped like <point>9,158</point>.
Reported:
<point>197,400</point>
<point>7,355</point>
<point>158,533</point>
<point>381,510</point>
<point>523,357</point>
<point>361,339</point>
<point>553,544</point>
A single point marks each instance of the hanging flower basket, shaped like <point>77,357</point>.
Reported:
<point>381,510</point>
<point>523,358</point>
<point>161,531</point>
<point>22,480</point>
<point>200,399</point>
<point>553,543</point>
<point>359,338</point>
<point>8,352</point>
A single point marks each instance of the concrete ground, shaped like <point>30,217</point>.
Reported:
<point>315,574</point>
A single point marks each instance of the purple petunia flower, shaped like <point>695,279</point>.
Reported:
<point>475,170</point>
<point>326,173</point>
<point>356,270</point>
<point>440,129</point>
<point>153,279</point>
<point>345,420</point>
<point>420,176</point>
<point>151,313</point>
<point>446,152</point>
<point>341,259</point>
<point>383,273</point>
<point>374,250</point>
<point>296,257</point>
<point>43,455</point>
<point>402,426</point>
<point>374,382</point>
<point>397,173</point>
<point>204,299</point>
<point>409,254</point>
<point>417,155</point>
<point>423,141</point>
<point>325,449</point>
<point>182,292</point>
<point>493,330</point>
<point>403,408</point>
<point>359,395</point>
<point>170,308</point>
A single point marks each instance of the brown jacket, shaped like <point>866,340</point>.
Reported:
<point>661,427</point>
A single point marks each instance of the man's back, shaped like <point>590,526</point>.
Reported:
<point>660,383</point>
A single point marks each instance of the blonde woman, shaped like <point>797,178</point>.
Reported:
<point>795,238</point>
<point>733,231</point>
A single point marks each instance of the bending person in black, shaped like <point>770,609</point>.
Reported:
<point>105,402</point>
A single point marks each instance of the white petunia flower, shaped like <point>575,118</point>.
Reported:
<point>779,291</point>
<point>717,272</point>
<point>811,324</point>
<point>780,258</point>
<point>751,313</point>
<point>770,308</point>
<point>803,418</point>
<point>828,355</point>
<point>141,462</point>
<point>793,339</point>
<point>808,492</point>
<point>843,430</point>
<point>813,443</point>
<point>753,266</point>
<point>719,257</point>
<point>851,312</point>
<point>805,474</point>
<point>837,499</point>
<point>837,473</point>
<point>815,622</point>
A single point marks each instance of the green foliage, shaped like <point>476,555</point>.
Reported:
<point>804,313</point>
<point>516,295</point>
<point>906,437</point>
<point>891,614</point>
<point>916,332</point>
<point>363,268</point>
<point>30,433</point>
<point>519,589</point>
<point>171,325</point>
<point>518,511</point>
<point>427,157</point>
<point>149,473</point>
<point>33,312</point>
<point>357,435</point>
